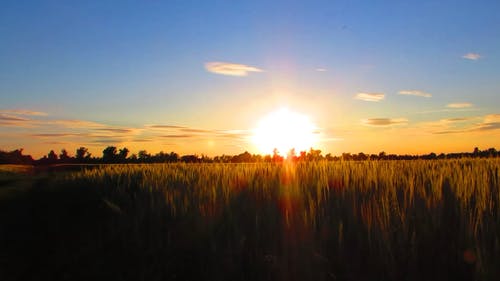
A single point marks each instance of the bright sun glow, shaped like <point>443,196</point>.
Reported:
<point>285,130</point>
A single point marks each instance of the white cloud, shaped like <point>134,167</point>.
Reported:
<point>415,93</point>
<point>321,69</point>
<point>376,97</point>
<point>384,121</point>
<point>472,56</point>
<point>460,105</point>
<point>232,69</point>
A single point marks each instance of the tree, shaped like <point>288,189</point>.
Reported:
<point>314,155</point>
<point>64,155</point>
<point>122,155</point>
<point>492,152</point>
<point>276,156</point>
<point>143,155</point>
<point>15,157</point>
<point>82,153</point>
<point>109,154</point>
<point>244,157</point>
<point>173,157</point>
<point>52,156</point>
<point>476,151</point>
<point>362,156</point>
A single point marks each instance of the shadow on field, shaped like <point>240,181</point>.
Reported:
<point>108,229</point>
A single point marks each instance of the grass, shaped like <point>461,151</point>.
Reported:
<point>371,220</point>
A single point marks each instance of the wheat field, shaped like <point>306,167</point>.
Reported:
<point>346,220</point>
<point>385,220</point>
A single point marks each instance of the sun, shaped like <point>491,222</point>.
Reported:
<point>284,130</point>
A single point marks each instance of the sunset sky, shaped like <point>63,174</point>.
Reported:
<point>199,76</point>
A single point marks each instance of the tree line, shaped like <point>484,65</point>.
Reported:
<point>112,154</point>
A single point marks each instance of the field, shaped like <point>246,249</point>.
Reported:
<point>346,220</point>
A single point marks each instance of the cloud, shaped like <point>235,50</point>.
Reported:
<point>165,127</point>
<point>23,112</point>
<point>192,130</point>
<point>492,118</point>
<point>178,136</point>
<point>375,97</point>
<point>415,93</point>
<point>232,69</point>
<point>141,140</point>
<point>384,121</point>
<point>460,105</point>
<point>490,122</point>
<point>107,141</point>
<point>472,56</point>
<point>12,118</point>
<point>116,130</point>
<point>488,126</point>
<point>320,69</point>
<point>56,135</point>
<point>458,119</point>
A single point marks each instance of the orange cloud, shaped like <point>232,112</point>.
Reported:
<point>384,121</point>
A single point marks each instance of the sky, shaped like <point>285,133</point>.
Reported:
<point>196,77</point>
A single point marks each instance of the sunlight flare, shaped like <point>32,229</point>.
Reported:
<point>285,130</point>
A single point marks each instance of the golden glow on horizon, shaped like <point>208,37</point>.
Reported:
<point>284,130</point>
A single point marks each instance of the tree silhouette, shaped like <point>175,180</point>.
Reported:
<point>143,155</point>
<point>82,154</point>
<point>109,154</point>
<point>122,155</point>
<point>52,156</point>
<point>64,157</point>
<point>15,157</point>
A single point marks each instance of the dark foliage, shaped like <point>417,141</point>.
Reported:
<point>112,154</point>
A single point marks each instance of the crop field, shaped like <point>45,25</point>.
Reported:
<point>346,220</point>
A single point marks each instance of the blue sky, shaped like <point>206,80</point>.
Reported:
<point>130,65</point>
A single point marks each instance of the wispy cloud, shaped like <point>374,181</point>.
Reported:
<point>472,56</point>
<point>458,119</point>
<point>460,105</point>
<point>415,93</point>
<point>489,122</point>
<point>232,69</point>
<point>193,130</point>
<point>375,97</point>
<point>487,127</point>
<point>320,69</point>
<point>23,112</point>
<point>57,135</point>
<point>178,136</point>
<point>116,130</point>
<point>384,121</point>
<point>156,126</point>
<point>75,124</point>
<point>141,140</point>
<point>10,118</point>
